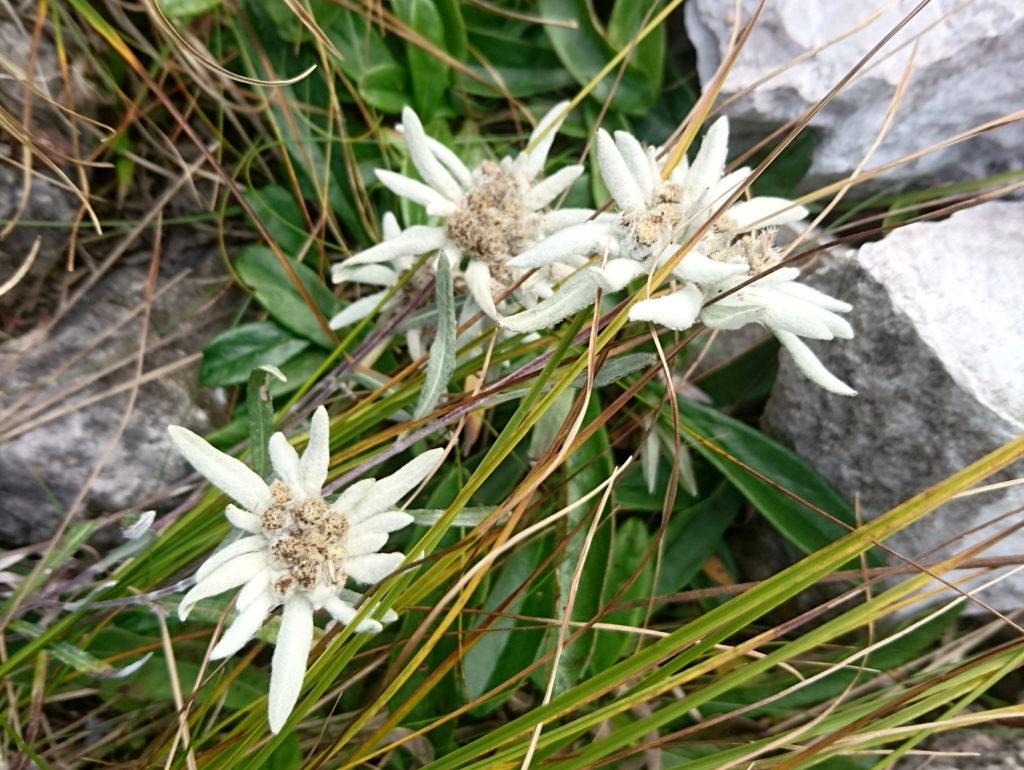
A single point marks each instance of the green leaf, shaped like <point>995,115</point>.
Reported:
<point>429,75</point>
<point>469,516</point>
<point>806,529</point>
<point>630,544</point>
<point>280,213</point>
<point>260,407</point>
<point>454,27</point>
<point>584,52</point>
<point>505,649</point>
<point>79,659</point>
<point>441,362</point>
<point>746,377</point>
<point>183,9</point>
<point>693,535</point>
<point>273,289</point>
<point>233,354</point>
<point>586,468</point>
<point>627,20</point>
<point>383,86</point>
<point>286,756</point>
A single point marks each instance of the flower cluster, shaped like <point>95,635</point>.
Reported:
<point>658,213</point>
<point>527,266</point>
<point>494,219</point>
<point>296,550</point>
<point>485,217</point>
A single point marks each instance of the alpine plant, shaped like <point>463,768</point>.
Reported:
<point>296,550</point>
<point>657,212</point>
<point>483,218</point>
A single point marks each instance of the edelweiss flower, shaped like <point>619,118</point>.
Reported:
<point>299,550</point>
<point>654,214</point>
<point>380,274</point>
<point>788,309</point>
<point>489,214</point>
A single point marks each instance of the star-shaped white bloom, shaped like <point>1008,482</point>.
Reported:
<point>488,215</point>
<point>788,309</point>
<point>655,214</point>
<point>298,550</point>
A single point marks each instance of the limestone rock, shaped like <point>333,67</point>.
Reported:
<point>938,363</point>
<point>987,749</point>
<point>964,74</point>
<point>58,408</point>
<point>45,202</point>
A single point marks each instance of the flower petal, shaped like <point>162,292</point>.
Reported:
<point>229,552</point>
<point>764,211</point>
<point>478,281</point>
<point>576,293</point>
<point>801,318</point>
<point>616,273</point>
<point>584,239</point>
<point>451,161</point>
<point>352,496</point>
<point>702,269</point>
<point>285,461</point>
<point>258,584</point>
<point>415,191</point>
<point>344,613</point>
<point>819,298</point>
<point>389,227</point>
<point>728,316</point>
<point>544,192</point>
<point>316,458</point>
<point>415,240</point>
<point>390,489</point>
<point>354,597</point>
<point>389,521</point>
<point>676,311</point>
<point>373,567</point>
<point>288,665</point>
<point>375,274</point>
<point>359,542</point>
<point>639,162</point>
<point>531,162</point>
<point>357,311</point>
<point>225,577</point>
<point>231,476</point>
<point>809,364</point>
<point>433,173</point>
<point>618,177</point>
<point>244,520</point>
<point>709,164</point>
<point>245,625</point>
<point>559,219</point>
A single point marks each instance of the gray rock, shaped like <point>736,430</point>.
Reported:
<point>965,73</point>
<point>50,130</point>
<point>992,749</point>
<point>45,202</point>
<point>55,424</point>
<point>938,363</point>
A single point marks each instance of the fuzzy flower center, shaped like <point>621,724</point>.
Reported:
<point>305,541</point>
<point>650,230</point>
<point>493,223</point>
<point>757,249</point>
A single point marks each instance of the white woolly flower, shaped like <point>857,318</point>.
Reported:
<point>788,309</point>
<point>654,215</point>
<point>487,215</point>
<point>380,274</point>
<point>298,550</point>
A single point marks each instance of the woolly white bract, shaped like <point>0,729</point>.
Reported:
<point>487,216</point>
<point>655,216</point>
<point>298,550</point>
